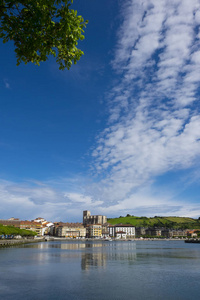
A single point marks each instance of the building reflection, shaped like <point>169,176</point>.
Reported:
<point>93,260</point>
<point>91,254</point>
<point>69,246</point>
<point>124,251</point>
<point>108,252</point>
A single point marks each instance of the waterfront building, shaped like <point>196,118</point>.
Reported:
<point>94,231</point>
<point>121,235</point>
<point>96,219</point>
<point>178,233</point>
<point>154,231</point>
<point>11,222</point>
<point>47,225</point>
<point>193,233</point>
<point>71,230</point>
<point>39,220</point>
<point>162,232</point>
<point>105,231</point>
<point>173,233</point>
<point>140,231</point>
<point>121,231</point>
<point>54,229</point>
<point>33,226</point>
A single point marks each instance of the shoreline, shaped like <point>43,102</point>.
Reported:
<point>115,240</point>
<point>10,243</point>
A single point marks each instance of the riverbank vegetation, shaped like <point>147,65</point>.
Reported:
<point>167,222</point>
<point>11,230</point>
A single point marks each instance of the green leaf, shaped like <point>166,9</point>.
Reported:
<point>42,28</point>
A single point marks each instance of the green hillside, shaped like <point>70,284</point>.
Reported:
<point>11,230</point>
<point>168,222</point>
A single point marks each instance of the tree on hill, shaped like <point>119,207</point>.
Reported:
<point>40,28</point>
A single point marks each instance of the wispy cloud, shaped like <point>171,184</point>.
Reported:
<point>153,125</point>
<point>154,112</point>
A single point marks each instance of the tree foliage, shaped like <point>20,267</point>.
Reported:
<point>11,230</point>
<point>40,28</point>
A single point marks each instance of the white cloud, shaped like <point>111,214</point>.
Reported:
<point>50,200</point>
<point>157,130</point>
<point>153,125</point>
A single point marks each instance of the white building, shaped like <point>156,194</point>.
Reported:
<point>121,231</point>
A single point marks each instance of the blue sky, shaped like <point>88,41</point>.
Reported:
<point>120,132</point>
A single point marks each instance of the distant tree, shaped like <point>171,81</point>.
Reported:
<point>128,215</point>
<point>39,28</point>
<point>145,223</point>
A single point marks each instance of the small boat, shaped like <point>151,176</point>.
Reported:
<point>195,241</point>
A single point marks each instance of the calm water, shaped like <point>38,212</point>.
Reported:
<point>101,270</point>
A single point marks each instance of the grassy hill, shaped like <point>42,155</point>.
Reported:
<point>11,230</point>
<point>168,222</point>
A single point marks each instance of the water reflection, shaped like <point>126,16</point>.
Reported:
<point>66,245</point>
<point>99,254</point>
<point>91,254</point>
<point>108,252</point>
<point>100,270</point>
<point>93,259</point>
